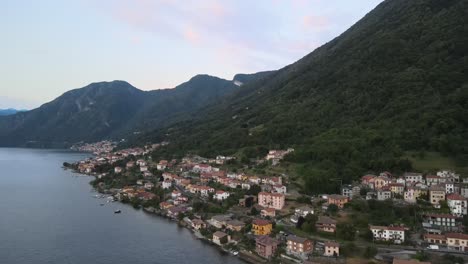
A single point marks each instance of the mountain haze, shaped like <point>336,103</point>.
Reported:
<point>108,110</point>
<point>395,81</point>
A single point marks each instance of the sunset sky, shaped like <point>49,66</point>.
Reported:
<point>51,46</point>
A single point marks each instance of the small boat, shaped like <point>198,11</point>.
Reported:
<point>235,253</point>
<point>117,211</point>
<point>102,204</point>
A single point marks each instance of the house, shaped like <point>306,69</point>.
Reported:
<point>261,227</point>
<point>457,204</point>
<point>412,177</point>
<point>367,180</point>
<point>174,211</point>
<point>450,187</point>
<point>143,168</point>
<point>299,246</point>
<point>266,246</point>
<point>118,169</point>
<point>397,188</point>
<point>384,194</point>
<point>149,185</point>
<point>380,182</point>
<point>235,225</point>
<point>198,224</point>
<point>347,191</point>
<point>141,162</point>
<point>326,224</point>
<point>371,195</point>
<point>175,194</point>
<point>166,184</point>
<point>202,190</point>
<point>245,186</point>
<point>464,190</point>
<point>146,196</point>
<point>395,234</point>
<point>270,212</point>
<point>436,194</point>
<point>413,193</point>
<point>180,200</point>
<point>457,241</point>
<point>199,168</point>
<point>279,188</point>
<point>338,200</point>
<point>162,165</point>
<point>271,200</point>
<point>220,221</point>
<point>332,249</point>
<point>247,201</point>
<point>130,164</point>
<point>303,211</point>
<point>221,195</point>
<point>440,222</point>
<point>221,238</point>
<point>165,205</point>
<point>433,180</point>
<point>435,239</point>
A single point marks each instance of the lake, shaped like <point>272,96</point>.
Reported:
<point>49,215</point>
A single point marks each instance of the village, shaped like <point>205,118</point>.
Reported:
<point>262,218</point>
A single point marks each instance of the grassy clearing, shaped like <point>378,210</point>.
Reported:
<point>433,161</point>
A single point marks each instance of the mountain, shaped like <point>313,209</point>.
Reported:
<point>108,110</point>
<point>9,111</point>
<point>396,81</point>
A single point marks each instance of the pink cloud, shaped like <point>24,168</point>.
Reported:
<point>191,35</point>
<point>311,22</point>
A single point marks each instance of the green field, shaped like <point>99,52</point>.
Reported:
<point>433,161</point>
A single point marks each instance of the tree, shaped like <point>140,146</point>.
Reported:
<point>370,252</point>
<point>254,190</point>
<point>346,231</point>
<point>332,209</point>
<point>254,211</point>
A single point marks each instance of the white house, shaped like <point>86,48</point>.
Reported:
<point>221,195</point>
<point>412,177</point>
<point>166,184</point>
<point>389,233</point>
<point>149,185</point>
<point>143,168</point>
<point>457,204</point>
<point>117,169</point>
<point>304,211</point>
<point>280,188</point>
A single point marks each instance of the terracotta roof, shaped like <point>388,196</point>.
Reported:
<point>435,236</point>
<point>261,222</point>
<point>266,240</point>
<point>326,220</point>
<point>393,228</point>
<point>455,196</point>
<point>337,197</point>
<point>332,244</point>
<point>219,234</point>
<point>457,235</point>
<point>297,239</point>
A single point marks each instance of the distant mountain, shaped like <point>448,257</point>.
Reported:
<point>395,81</point>
<point>9,111</point>
<point>108,110</point>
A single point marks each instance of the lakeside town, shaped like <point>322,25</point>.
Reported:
<point>262,218</point>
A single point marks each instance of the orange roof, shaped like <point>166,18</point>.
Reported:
<point>261,222</point>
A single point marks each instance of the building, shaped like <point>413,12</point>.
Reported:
<point>395,234</point>
<point>457,241</point>
<point>261,227</point>
<point>436,223</point>
<point>457,204</point>
<point>347,191</point>
<point>235,225</point>
<point>198,224</point>
<point>412,177</point>
<point>271,212</point>
<point>299,246</point>
<point>326,224</point>
<point>380,182</point>
<point>433,180</point>
<point>162,165</point>
<point>435,239</point>
<point>118,169</point>
<point>303,211</point>
<point>265,246</point>
<point>220,221</point>
<point>271,200</point>
<point>413,193</point>
<point>221,238</point>
<point>278,188</point>
<point>332,249</point>
<point>338,200</point>
<point>384,194</point>
<point>397,188</point>
<point>436,194</point>
<point>166,184</point>
<point>221,195</point>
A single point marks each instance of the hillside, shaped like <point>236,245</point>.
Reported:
<point>395,81</point>
<point>107,110</point>
<point>9,111</point>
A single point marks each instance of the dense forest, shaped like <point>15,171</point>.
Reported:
<point>395,81</point>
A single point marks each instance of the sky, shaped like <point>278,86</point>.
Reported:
<point>51,46</point>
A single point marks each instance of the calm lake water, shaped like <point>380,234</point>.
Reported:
<point>49,215</point>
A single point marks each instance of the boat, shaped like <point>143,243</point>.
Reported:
<point>102,204</point>
<point>117,211</point>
